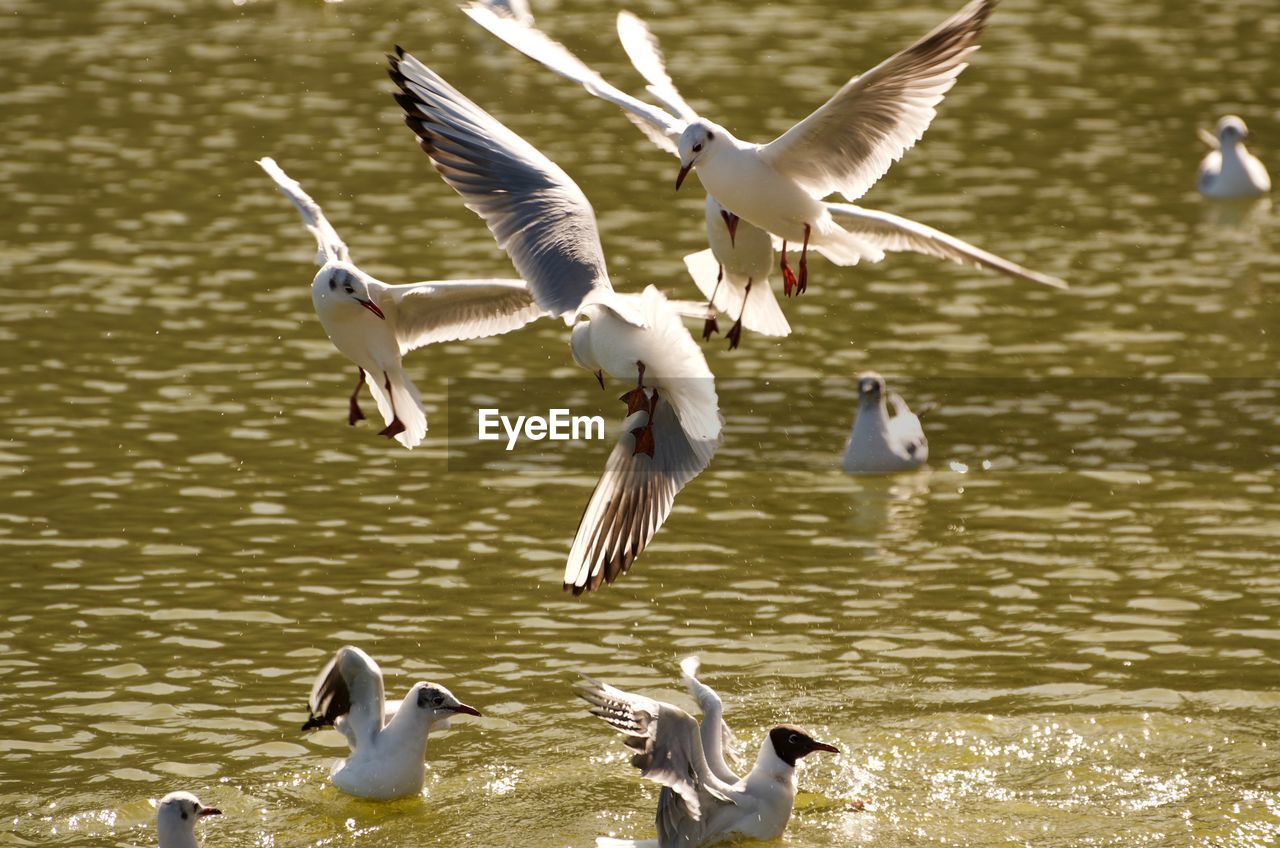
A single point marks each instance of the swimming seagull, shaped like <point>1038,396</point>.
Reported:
<point>1229,170</point>
<point>734,272</point>
<point>877,443</point>
<point>176,818</point>
<point>374,323</point>
<point>546,225</point>
<point>702,801</point>
<point>388,741</point>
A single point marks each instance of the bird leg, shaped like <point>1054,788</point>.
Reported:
<point>731,223</point>
<point>712,326</point>
<point>644,435</point>
<point>735,332</point>
<point>354,413</point>
<point>802,282</point>
<point>636,399</point>
<point>788,276</point>
<point>396,427</point>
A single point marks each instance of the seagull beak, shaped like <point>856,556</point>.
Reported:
<point>684,172</point>
<point>371,306</point>
<point>600,378</point>
<point>463,708</point>
<point>208,811</point>
<point>823,746</point>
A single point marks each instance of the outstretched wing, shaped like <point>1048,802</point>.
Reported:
<point>891,232</point>
<point>717,738</point>
<point>426,313</point>
<point>852,139</point>
<point>538,214</point>
<point>661,128</point>
<point>331,247</point>
<point>642,48</point>
<point>349,687</point>
<point>669,752</point>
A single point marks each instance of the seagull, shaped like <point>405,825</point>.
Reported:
<point>877,443</point>
<point>1228,169</point>
<point>544,222</point>
<point>374,323</point>
<point>176,819</point>
<point>737,281</point>
<point>702,801</point>
<point>388,741</point>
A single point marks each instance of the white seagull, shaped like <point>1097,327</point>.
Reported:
<point>388,741</point>
<point>734,272</point>
<point>877,443</point>
<point>543,221</point>
<point>374,323</point>
<point>1229,170</point>
<point>176,818</point>
<point>702,801</point>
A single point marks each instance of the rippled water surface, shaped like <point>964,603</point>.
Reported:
<point>1064,633</point>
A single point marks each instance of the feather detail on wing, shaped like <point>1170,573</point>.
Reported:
<point>718,739</point>
<point>330,245</point>
<point>642,48</point>
<point>537,213</point>
<point>850,141</point>
<point>426,313</point>
<point>348,688</point>
<point>894,233</point>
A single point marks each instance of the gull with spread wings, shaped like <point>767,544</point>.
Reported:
<point>374,323</point>
<point>544,222</point>
<point>884,112</point>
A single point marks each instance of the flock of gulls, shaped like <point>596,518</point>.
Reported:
<point>763,201</point>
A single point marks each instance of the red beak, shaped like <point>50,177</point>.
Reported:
<point>371,306</point>
<point>209,811</point>
<point>823,746</point>
<point>463,708</point>
<point>684,172</point>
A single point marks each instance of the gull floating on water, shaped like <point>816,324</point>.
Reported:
<point>546,225</point>
<point>702,800</point>
<point>374,323</point>
<point>1229,170</point>
<point>176,818</point>
<point>734,272</point>
<point>388,741</point>
<point>879,444</point>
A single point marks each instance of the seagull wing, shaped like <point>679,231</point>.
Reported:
<point>668,752</point>
<point>636,491</point>
<point>896,234</point>
<point>642,48</point>
<point>717,738</point>
<point>331,247</point>
<point>853,138</point>
<point>426,313</point>
<point>349,688</point>
<point>1208,138</point>
<point>905,426</point>
<point>538,214</point>
<point>661,128</point>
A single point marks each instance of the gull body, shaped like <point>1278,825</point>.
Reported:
<point>388,742</point>
<point>544,222</point>
<point>1229,170</point>
<point>702,801</point>
<point>878,443</point>
<point>883,117</point>
<point>176,817</point>
<point>374,323</point>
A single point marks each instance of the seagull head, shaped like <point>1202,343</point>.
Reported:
<point>337,286</point>
<point>1231,129</point>
<point>791,743</point>
<point>697,144</point>
<point>437,704</point>
<point>870,388</point>
<point>176,818</point>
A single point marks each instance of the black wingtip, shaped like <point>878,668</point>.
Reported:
<point>315,722</point>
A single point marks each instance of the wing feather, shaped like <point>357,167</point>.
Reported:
<point>430,312</point>
<point>330,246</point>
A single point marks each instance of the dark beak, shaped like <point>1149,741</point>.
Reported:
<point>684,172</point>
<point>209,811</point>
<point>823,746</point>
<point>600,378</point>
<point>463,708</point>
<point>371,306</point>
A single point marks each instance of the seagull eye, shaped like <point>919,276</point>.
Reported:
<point>795,739</point>
<point>350,290</point>
<point>437,701</point>
<point>697,148</point>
